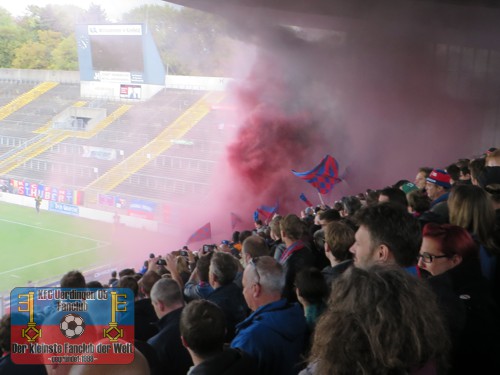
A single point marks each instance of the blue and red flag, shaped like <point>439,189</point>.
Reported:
<point>235,220</point>
<point>267,212</point>
<point>303,198</point>
<point>324,176</point>
<point>203,233</point>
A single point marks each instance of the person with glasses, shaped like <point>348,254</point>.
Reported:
<point>275,333</point>
<point>437,187</point>
<point>451,257</point>
<point>253,246</point>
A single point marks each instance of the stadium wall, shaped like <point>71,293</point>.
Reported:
<point>83,212</point>
<point>33,75</point>
<point>197,83</point>
<point>73,77</point>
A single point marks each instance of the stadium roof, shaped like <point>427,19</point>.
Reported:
<point>461,21</point>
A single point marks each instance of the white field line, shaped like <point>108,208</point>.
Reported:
<point>53,259</point>
<point>51,230</point>
<point>100,245</point>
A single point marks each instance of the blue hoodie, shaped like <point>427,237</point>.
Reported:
<point>275,336</point>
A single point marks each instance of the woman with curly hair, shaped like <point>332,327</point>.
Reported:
<point>379,321</point>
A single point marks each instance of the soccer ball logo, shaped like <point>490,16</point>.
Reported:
<point>72,326</point>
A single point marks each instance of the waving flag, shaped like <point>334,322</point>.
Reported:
<point>235,220</point>
<point>204,233</point>
<point>307,201</point>
<point>267,212</point>
<point>324,176</point>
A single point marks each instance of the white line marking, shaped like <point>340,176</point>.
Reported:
<point>50,230</point>
<point>52,259</point>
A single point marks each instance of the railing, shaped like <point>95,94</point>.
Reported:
<point>22,146</point>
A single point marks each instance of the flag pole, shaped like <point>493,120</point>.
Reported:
<point>321,199</point>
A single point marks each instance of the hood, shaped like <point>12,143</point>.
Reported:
<point>286,319</point>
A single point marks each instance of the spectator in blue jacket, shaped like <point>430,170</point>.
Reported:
<point>275,333</point>
<point>198,285</point>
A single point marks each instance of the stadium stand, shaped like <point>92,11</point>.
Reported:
<point>26,98</point>
<point>172,146</point>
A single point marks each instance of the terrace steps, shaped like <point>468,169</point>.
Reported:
<point>44,129</point>
<point>176,130</point>
<point>52,137</point>
<point>26,98</point>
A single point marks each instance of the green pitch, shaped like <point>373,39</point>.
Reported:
<point>38,248</point>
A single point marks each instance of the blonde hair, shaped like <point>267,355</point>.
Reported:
<point>471,208</point>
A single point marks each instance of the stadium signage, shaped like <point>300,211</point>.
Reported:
<point>49,325</point>
<point>105,76</point>
<point>64,208</point>
<point>115,29</point>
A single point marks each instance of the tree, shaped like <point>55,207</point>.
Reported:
<point>11,37</point>
<point>30,55</point>
<point>189,41</point>
<point>37,54</point>
<point>95,14</point>
<point>5,17</point>
<point>60,18</point>
<point>65,55</point>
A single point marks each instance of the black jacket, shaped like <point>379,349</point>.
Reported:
<point>299,260</point>
<point>229,362</point>
<point>473,318</point>
<point>231,301</point>
<point>144,320</point>
<point>331,273</point>
<point>173,357</point>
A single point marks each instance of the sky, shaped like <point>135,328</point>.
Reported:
<point>113,8</point>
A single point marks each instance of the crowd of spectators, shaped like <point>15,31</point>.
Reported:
<point>404,279</point>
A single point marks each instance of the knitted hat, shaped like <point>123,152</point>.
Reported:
<point>409,187</point>
<point>440,178</point>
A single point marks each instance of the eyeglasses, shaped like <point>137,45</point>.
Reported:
<point>428,258</point>
<point>253,262</point>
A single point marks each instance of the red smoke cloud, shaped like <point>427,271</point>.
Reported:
<point>276,134</point>
<point>380,104</point>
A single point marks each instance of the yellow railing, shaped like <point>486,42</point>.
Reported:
<point>26,98</point>
<point>153,149</point>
